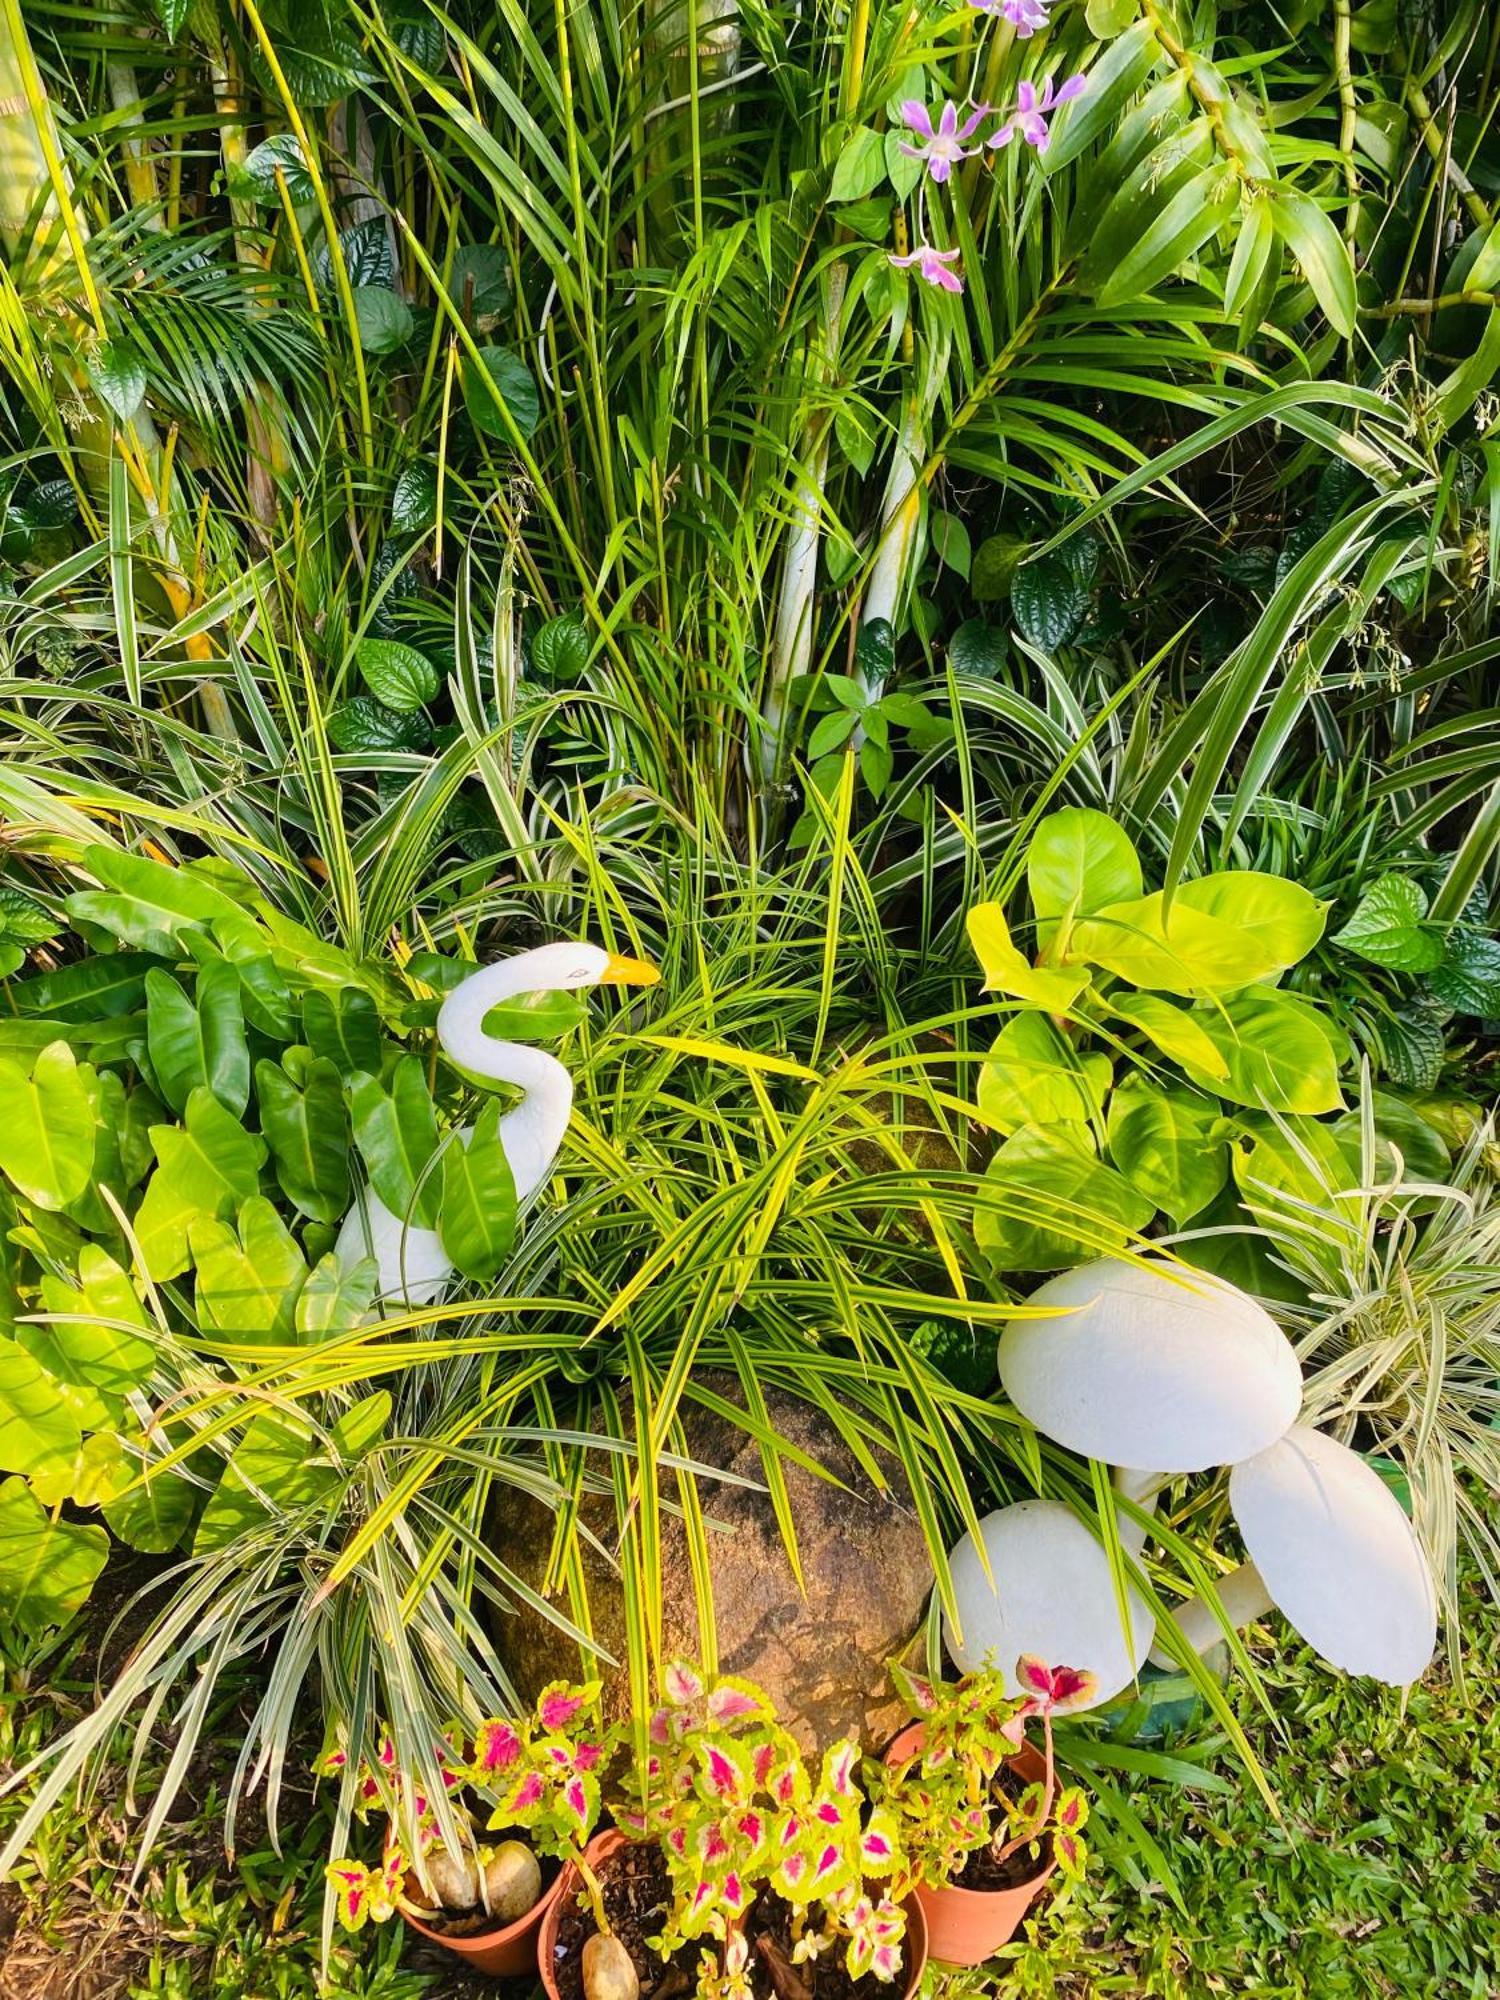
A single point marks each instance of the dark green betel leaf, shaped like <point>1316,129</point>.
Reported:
<point>382,319</point>
<point>414,502</point>
<point>362,723</point>
<point>501,395</point>
<point>1469,977</point>
<point>1387,927</point>
<point>560,651</point>
<point>281,153</point>
<point>480,281</point>
<point>119,375</point>
<point>978,649</point>
<point>1050,601</point>
<point>398,676</point>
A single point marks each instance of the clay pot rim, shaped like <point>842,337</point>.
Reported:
<point>466,1941</point>
<point>1029,1884</point>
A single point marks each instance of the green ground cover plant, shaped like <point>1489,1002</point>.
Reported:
<point>965,538</point>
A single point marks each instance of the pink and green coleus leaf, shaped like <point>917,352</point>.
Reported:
<point>1055,1687</point>
<point>1071,1852</point>
<point>725,1772</point>
<point>916,1690</point>
<point>839,1765</point>
<point>733,1702</point>
<point>498,1747</point>
<point>880,1843</point>
<point>560,1703</point>
<point>683,1684</point>
<point>1071,1811</point>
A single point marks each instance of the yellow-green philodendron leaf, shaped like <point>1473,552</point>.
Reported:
<point>1033,1076</point>
<point>1007,970</point>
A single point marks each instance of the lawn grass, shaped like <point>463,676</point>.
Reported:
<point>1381,1878</point>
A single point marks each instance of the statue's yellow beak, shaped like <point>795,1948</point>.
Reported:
<point>628,972</point>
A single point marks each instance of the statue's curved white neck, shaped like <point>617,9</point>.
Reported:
<point>533,1132</point>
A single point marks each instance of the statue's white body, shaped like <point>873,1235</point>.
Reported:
<point>413,1265</point>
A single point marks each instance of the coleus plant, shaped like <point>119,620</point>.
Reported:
<point>543,1771</point>
<point>373,1895</point>
<point>726,1792</point>
<point>945,1795</point>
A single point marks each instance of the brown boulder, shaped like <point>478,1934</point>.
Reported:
<point>821,1656</point>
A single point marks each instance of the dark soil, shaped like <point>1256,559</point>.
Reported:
<point>982,1871</point>
<point>636,1900</point>
<point>468,1923</point>
<point>775,1977</point>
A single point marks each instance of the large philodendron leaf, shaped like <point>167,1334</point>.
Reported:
<point>477,1221</point>
<point>206,1166</point>
<point>1170,1145</point>
<point>199,1040</point>
<point>396,1131</point>
<point>342,1026</point>
<point>147,905</point>
<point>282,1467</point>
<point>1218,934</point>
<point>1059,1204</point>
<point>1278,1051</point>
<point>88,1342</point>
<point>1079,861</point>
<point>46,1128</point>
<point>38,1429</point>
<point>47,1568</point>
<point>249,1276</point>
<point>1032,1076</point>
<point>307,1129</point>
<point>1007,970</point>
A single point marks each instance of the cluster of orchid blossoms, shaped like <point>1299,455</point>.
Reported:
<point>726,1793</point>
<point>943,144</point>
<point>542,1775</point>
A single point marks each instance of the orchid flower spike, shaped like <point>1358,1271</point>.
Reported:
<point>1027,17</point>
<point>933,266</point>
<point>942,147</point>
<point>1029,115</point>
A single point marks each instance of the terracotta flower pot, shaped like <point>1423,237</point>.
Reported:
<point>568,1885</point>
<point>598,1853</point>
<point>967,1926</point>
<point>509,1951</point>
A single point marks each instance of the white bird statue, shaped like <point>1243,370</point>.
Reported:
<point>413,1265</point>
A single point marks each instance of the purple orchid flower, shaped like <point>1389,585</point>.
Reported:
<point>1029,115</point>
<point>933,266</point>
<point>943,148</point>
<point>1027,17</point>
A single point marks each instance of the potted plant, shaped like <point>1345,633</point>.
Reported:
<point>486,1902</point>
<point>982,1820</point>
<point>727,1853</point>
